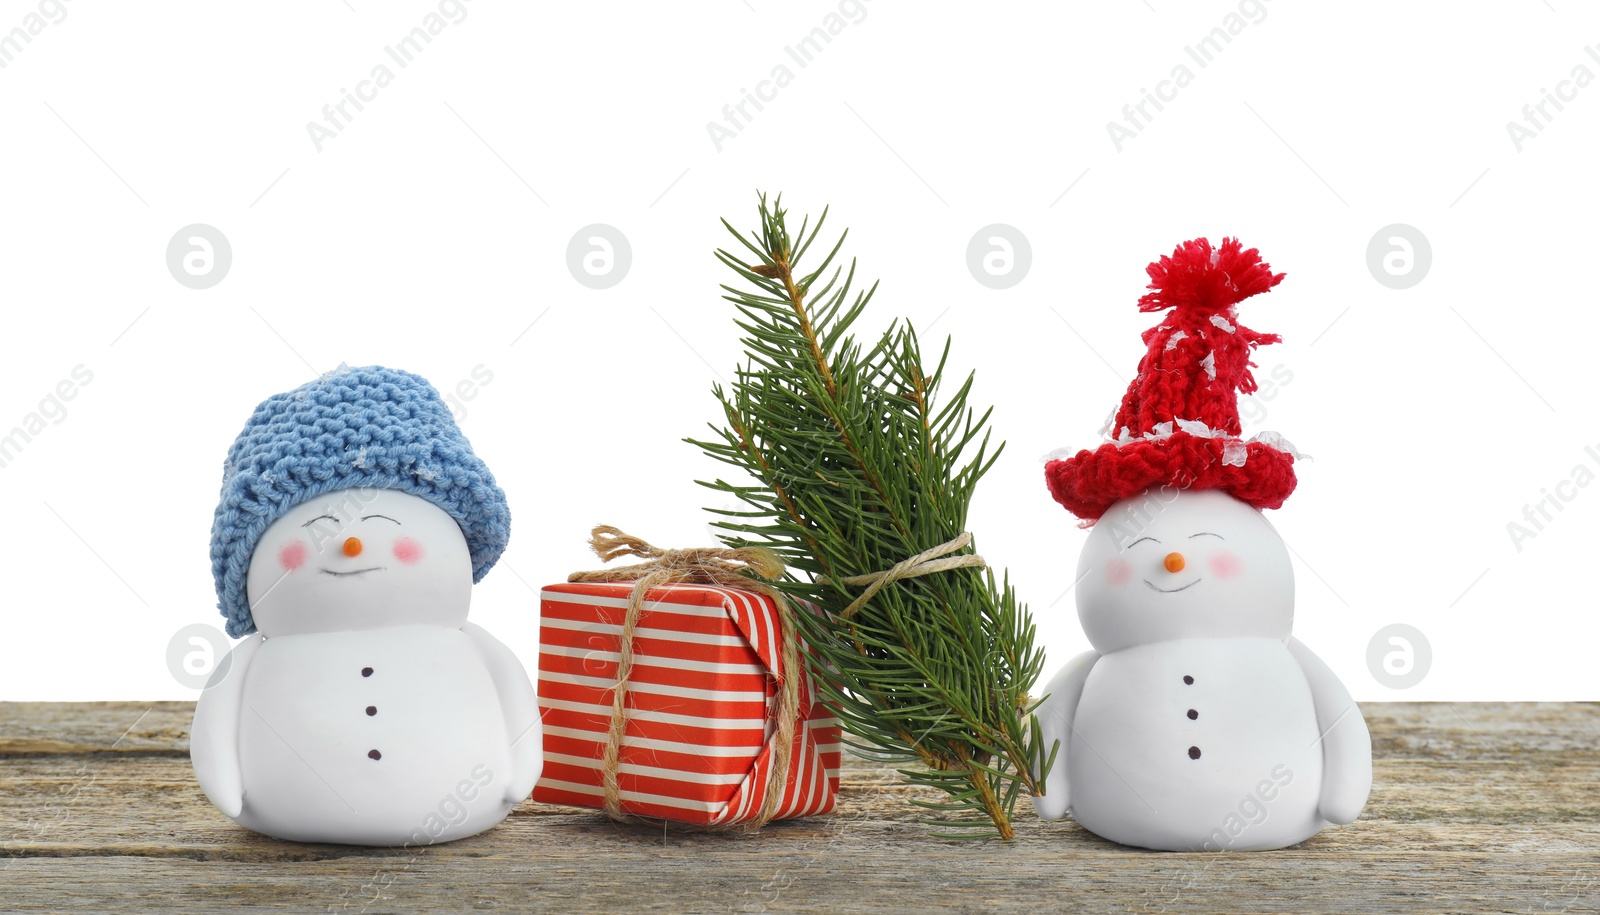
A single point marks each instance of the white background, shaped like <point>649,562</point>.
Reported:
<point>432,231</point>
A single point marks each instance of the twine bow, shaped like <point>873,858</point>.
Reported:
<point>926,562</point>
<point>723,567</point>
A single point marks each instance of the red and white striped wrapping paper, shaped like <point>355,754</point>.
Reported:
<point>697,746</point>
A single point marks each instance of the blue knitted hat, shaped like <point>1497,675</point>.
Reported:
<point>351,428</point>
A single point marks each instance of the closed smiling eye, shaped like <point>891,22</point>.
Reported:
<point>1141,540</point>
<point>1207,534</point>
<point>384,517</point>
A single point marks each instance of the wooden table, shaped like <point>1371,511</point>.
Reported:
<point>1489,807</point>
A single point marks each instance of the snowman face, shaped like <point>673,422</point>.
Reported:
<point>1183,564</point>
<point>360,559</point>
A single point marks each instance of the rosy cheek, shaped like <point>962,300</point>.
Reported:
<point>1224,564</point>
<point>292,556</point>
<point>407,550</point>
<point>1118,572</point>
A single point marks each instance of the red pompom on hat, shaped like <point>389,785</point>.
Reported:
<point>1179,422</point>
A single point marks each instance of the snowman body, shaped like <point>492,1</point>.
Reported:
<point>1198,723</point>
<point>366,710</point>
<point>1202,743</point>
<point>379,737</point>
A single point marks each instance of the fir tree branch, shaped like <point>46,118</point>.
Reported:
<point>859,467</point>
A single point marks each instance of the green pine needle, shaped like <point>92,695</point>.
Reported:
<point>857,465</point>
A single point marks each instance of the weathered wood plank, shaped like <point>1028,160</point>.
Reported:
<point>1476,807</point>
<point>95,727</point>
<point>553,876</point>
<point>1461,730</point>
<point>62,805</point>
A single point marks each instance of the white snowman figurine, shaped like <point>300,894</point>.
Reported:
<point>365,709</point>
<point>1198,722</point>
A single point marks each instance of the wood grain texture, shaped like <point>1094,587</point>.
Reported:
<point>1483,807</point>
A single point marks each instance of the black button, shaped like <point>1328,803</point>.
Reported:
<point>374,754</point>
<point>1192,714</point>
<point>373,710</point>
<point>367,672</point>
<point>1194,753</point>
<point>1188,680</point>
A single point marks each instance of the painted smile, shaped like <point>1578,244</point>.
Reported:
<point>1173,590</point>
<point>359,572</point>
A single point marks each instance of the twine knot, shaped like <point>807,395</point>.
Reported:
<point>705,565</point>
<point>926,562</point>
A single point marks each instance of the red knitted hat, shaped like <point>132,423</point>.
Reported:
<point>1179,422</point>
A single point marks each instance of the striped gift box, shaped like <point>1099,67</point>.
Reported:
<point>700,705</point>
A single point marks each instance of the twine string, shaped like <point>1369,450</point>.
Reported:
<point>927,562</point>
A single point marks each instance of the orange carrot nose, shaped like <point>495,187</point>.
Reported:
<point>352,547</point>
<point>1173,562</point>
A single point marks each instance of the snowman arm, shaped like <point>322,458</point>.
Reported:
<point>521,709</point>
<point>1055,714</point>
<point>214,735</point>
<point>1346,743</point>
